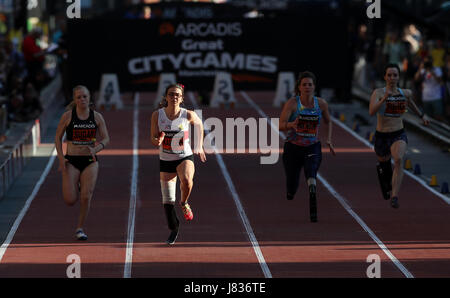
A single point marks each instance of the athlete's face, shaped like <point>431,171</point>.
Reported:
<point>392,76</point>
<point>306,86</point>
<point>81,97</point>
<point>174,96</point>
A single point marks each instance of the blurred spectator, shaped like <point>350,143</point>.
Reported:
<point>394,50</point>
<point>33,54</point>
<point>24,105</point>
<point>15,59</point>
<point>431,80</point>
<point>438,54</point>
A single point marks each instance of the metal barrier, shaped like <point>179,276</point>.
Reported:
<point>17,157</point>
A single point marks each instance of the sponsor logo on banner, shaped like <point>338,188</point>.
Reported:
<point>199,58</point>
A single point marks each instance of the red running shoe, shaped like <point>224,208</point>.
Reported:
<point>187,212</point>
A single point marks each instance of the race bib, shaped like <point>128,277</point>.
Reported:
<point>83,136</point>
<point>307,125</point>
<point>173,142</point>
<point>395,106</point>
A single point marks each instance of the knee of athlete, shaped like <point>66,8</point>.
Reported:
<point>85,197</point>
<point>311,181</point>
<point>69,200</point>
<point>398,162</point>
<point>186,182</point>
<point>168,191</point>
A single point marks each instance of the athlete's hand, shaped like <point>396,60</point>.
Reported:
<point>201,154</point>
<point>92,151</point>
<point>386,95</point>
<point>292,124</point>
<point>161,138</point>
<point>330,145</point>
<point>62,165</point>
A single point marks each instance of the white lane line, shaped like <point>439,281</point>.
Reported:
<point>24,210</point>
<point>237,201</point>
<point>133,191</point>
<point>341,200</point>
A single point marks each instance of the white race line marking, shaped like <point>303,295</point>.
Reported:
<point>237,201</point>
<point>133,191</point>
<point>341,200</point>
<point>24,210</point>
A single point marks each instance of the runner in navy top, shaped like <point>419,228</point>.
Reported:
<point>301,117</point>
<point>79,166</point>
<point>389,104</point>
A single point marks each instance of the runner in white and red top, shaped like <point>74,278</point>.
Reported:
<point>170,132</point>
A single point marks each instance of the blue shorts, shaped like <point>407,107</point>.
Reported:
<point>384,141</point>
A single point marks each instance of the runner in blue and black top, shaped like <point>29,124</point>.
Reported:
<point>301,117</point>
<point>390,104</point>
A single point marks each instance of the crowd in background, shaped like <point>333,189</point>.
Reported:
<point>24,72</point>
<point>424,62</point>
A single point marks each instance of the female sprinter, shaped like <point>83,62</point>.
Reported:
<point>170,132</point>
<point>301,117</point>
<point>79,166</point>
<point>389,103</point>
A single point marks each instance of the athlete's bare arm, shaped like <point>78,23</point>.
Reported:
<point>198,136</point>
<point>288,108</point>
<point>156,137</point>
<point>327,119</point>
<point>60,130</point>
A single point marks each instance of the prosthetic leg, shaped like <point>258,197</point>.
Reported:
<point>384,170</point>
<point>168,190</point>
<point>312,199</point>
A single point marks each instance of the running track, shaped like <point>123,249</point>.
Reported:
<point>243,225</point>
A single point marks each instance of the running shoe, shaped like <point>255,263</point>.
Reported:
<point>81,235</point>
<point>394,203</point>
<point>172,237</point>
<point>187,212</point>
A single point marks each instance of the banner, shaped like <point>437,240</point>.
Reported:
<point>253,51</point>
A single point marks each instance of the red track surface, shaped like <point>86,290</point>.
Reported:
<point>216,244</point>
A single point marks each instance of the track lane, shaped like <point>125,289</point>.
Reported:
<point>417,233</point>
<point>46,235</point>
<point>214,244</point>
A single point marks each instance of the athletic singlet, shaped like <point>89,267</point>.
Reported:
<point>395,105</point>
<point>176,144</point>
<point>307,131</point>
<point>82,132</point>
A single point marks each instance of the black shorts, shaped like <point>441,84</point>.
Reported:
<point>80,162</point>
<point>171,166</point>
<point>384,141</point>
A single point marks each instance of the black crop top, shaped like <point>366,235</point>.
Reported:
<point>82,132</point>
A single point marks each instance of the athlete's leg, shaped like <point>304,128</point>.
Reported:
<point>88,180</point>
<point>398,150</point>
<point>384,168</point>
<point>185,171</point>
<point>168,190</point>
<point>70,179</point>
<point>313,160</point>
<point>292,169</point>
